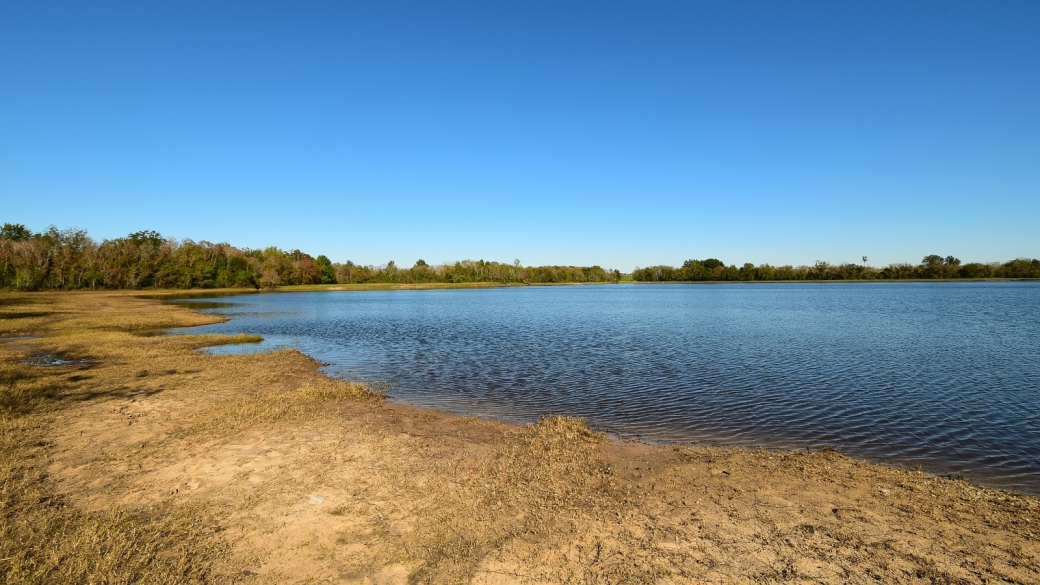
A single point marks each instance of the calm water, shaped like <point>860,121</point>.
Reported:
<point>944,375</point>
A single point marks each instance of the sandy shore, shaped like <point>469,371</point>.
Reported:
<point>139,459</point>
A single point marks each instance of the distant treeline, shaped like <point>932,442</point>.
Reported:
<point>70,259</point>
<point>931,267</point>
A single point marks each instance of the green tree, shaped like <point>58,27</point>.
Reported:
<point>932,266</point>
<point>146,238</point>
<point>713,263</point>
<point>747,272</point>
<point>328,273</point>
<point>15,232</point>
<point>391,271</point>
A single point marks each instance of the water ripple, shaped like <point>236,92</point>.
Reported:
<point>944,375</point>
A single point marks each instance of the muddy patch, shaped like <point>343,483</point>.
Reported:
<point>47,360</point>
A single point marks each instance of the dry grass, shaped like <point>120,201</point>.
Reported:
<point>258,407</point>
<point>143,460</point>
<point>43,539</point>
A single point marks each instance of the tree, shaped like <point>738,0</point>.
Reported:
<point>146,238</point>
<point>820,270</point>
<point>351,273</point>
<point>15,232</point>
<point>328,273</point>
<point>933,266</point>
<point>747,272</point>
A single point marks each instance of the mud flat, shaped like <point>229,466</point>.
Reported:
<point>132,457</point>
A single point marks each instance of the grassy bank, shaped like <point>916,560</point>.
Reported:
<point>624,280</point>
<point>426,285</point>
<point>393,286</point>
<point>138,459</point>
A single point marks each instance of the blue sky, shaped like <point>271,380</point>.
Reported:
<point>621,134</point>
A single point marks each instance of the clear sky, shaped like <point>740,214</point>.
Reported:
<point>621,134</point>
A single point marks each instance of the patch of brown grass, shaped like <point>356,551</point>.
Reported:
<point>45,540</point>
<point>265,406</point>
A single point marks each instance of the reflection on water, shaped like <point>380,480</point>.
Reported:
<point>946,375</point>
<point>199,305</point>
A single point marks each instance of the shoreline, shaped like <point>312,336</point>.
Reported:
<point>935,465</point>
<point>975,478</point>
<point>483,285</point>
<point>202,293</point>
<point>366,489</point>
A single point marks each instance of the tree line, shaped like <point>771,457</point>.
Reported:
<point>931,267</point>
<point>70,260</point>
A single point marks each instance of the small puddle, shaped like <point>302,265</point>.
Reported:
<point>51,359</point>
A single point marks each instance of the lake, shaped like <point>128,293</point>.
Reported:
<point>942,375</point>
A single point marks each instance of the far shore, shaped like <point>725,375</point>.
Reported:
<point>483,285</point>
<point>130,457</point>
<point>464,285</point>
<point>424,285</point>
